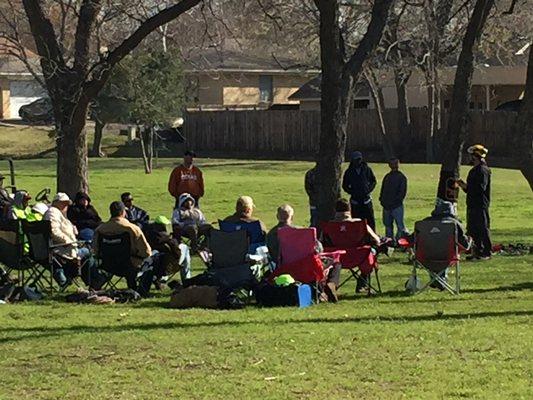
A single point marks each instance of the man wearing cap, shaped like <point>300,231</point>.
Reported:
<point>117,224</point>
<point>64,238</point>
<point>359,182</point>
<point>477,189</point>
<point>186,178</point>
<point>244,209</point>
<point>134,214</point>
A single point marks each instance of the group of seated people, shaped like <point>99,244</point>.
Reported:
<point>76,227</point>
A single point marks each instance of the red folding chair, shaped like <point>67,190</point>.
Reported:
<point>299,258</point>
<point>359,258</point>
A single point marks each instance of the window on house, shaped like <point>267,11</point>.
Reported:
<point>265,88</point>
<point>472,105</point>
<point>361,103</point>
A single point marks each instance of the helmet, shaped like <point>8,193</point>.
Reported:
<point>162,220</point>
<point>479,150</point>
<point>284,280</point>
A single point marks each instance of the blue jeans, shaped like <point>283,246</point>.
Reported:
<point>389,218</point>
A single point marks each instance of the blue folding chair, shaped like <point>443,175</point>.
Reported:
<point>255,233</point>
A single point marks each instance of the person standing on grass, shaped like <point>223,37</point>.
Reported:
<point>391,197</point>
<point>359,181</point>
<point>477,189</point>
<point>186,178</point>
<point>312,190</point>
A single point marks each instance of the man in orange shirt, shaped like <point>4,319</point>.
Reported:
<point>186,178</point>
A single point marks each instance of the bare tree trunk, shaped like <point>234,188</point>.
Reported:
<point>524,131</point>
<point>458,119</point>
<point>98,135</point>
<point>377,95</point>
<point>147,148</point>
<point>72,163</point>
<point>404,115</point>
<point>338,79</point>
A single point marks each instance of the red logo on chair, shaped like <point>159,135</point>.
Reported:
<point>343,228</point>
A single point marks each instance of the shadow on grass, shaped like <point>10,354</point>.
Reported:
<point>46,332</point>
<point>511,288</point>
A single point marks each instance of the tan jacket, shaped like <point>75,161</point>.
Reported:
<point>140,249</point>
<point>62,232</point>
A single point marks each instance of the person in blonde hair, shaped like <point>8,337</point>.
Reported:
<point>285,215</point>
<point>244,209</point>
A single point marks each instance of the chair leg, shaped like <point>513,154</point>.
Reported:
<point>377,280</point>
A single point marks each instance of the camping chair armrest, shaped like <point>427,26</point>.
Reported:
<point>78,242</point>
<point>334,254</point>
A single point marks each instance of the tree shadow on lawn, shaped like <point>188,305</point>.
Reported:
<point>46,332</point>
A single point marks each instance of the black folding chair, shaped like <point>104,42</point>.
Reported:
<point>12,252</point>
<point>227,249</point>
<point>436,249</point>
<point>45,259</point>
<point>114,256</point>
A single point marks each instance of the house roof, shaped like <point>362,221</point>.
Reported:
<point>11,64</point>
<point>239,61</point>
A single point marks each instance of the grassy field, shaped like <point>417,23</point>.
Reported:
<point>35,142</point>
<point>431,346</point>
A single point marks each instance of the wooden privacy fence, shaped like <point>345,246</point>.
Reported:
<point>290,133</point>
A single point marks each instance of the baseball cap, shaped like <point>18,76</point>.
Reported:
<point>356,155</point>
<point>62,197</point>
<point>41,208</point>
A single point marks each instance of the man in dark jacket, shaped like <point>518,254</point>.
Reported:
<point>359,181</point>
<point>477,189</point>
<point>391,197</point>
<point>84,216</point>
<point>134,214</point>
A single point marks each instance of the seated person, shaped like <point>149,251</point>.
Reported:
<point>84,216</point>
<point>244,209</point>
<point>285,216</point>
<point>63,233</point>
<point>134,214</point>
<point>445,212</point>
<point>20,208</point>
<point>117,224</point>
<point>170,256</point>
<point>38,212</point>
<point>343,212</point>
<point>189,221</point>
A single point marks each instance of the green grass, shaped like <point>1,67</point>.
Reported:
<point>32,142</point>
<point>431,346</point>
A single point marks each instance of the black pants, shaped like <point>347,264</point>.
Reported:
<point>364,211</point>
<point>478,226</point>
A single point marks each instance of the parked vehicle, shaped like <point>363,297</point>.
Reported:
<point>38,112</point>
<point>513,105</point>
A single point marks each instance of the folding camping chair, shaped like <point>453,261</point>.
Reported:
<point>227,249</point>
<point>298,256</point>
<point>359,259</point>
<point>114,257</point>
<point>436,249</point>
<point>42,254</point>
<point>12,252</point>
<point>255,233</point>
